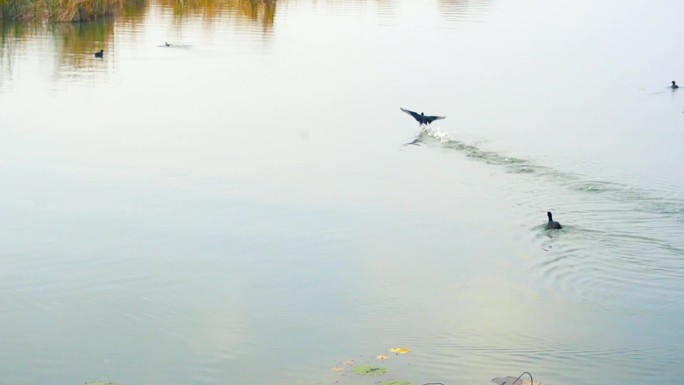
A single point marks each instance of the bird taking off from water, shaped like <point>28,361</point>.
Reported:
<point>423,119</point>
<point>551,224</point>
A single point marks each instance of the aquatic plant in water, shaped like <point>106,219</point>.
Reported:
<point>369,371</point>
<point>510,380</point>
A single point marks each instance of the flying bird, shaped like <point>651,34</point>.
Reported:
<point>423,119</point>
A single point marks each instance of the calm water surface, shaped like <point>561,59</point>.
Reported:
<point>242,208</point>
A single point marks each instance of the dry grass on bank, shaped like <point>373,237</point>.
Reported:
<point>57,10</point>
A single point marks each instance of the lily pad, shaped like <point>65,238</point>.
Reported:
<point>395,383</point>
<point>369,370</point>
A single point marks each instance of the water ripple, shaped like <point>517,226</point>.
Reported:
<point>655,201</point>
<point>627,242</point>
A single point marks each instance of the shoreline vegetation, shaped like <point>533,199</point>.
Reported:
<point>57,10</point>
<point>72,39</point>
<point>64,11</point>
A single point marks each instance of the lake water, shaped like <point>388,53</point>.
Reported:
<point>242,207</point>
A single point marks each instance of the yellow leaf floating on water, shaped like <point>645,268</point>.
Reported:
<point>347,362</point>
<point>381,357</point>
<point>337,369</point>
<point>399,350</point>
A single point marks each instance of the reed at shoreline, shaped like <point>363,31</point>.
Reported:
<point>87,10</point>
<point>57,10</point>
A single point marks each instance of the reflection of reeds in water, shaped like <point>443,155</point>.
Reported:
<point>57,10</point>
<point>463,10</point>
<point>133,9</point>
<point>76,43</point>
<point>261,11</point>
<point>72,46</point>
<point>9,34</point>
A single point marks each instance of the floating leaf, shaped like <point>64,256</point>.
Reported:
<point>381,357</point>
<point>347,362</point>
<point>369,371</point>
<point>337,369</point>
<point>395,383</point>
<point>399,350</point>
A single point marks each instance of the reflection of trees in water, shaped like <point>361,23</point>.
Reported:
<point>460,10</point>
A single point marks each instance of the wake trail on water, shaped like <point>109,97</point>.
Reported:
<point>619,242</point>
<point>654,201</point>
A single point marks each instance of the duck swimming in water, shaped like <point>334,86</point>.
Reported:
<point>99,54</point>
<point>423,119</point>
<point>674,85</point>
<point>551,224</point>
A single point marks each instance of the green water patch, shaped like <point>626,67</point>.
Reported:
<point>368,370</point>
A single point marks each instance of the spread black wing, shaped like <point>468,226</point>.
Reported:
<point>430,119</point>
<point>422,119</point>
<point>415,115</point>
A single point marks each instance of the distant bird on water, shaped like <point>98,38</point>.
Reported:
<point>551,224</point>
<point>423,119</point>
<point>167,44</point>
<point>99,54</point>
<point>674,85</point>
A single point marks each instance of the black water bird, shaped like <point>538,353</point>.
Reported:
<point>167,44</point>
<point>674,85</point>
<point>99,54</point>
<point>423,119</point>
<point>551,224</point>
